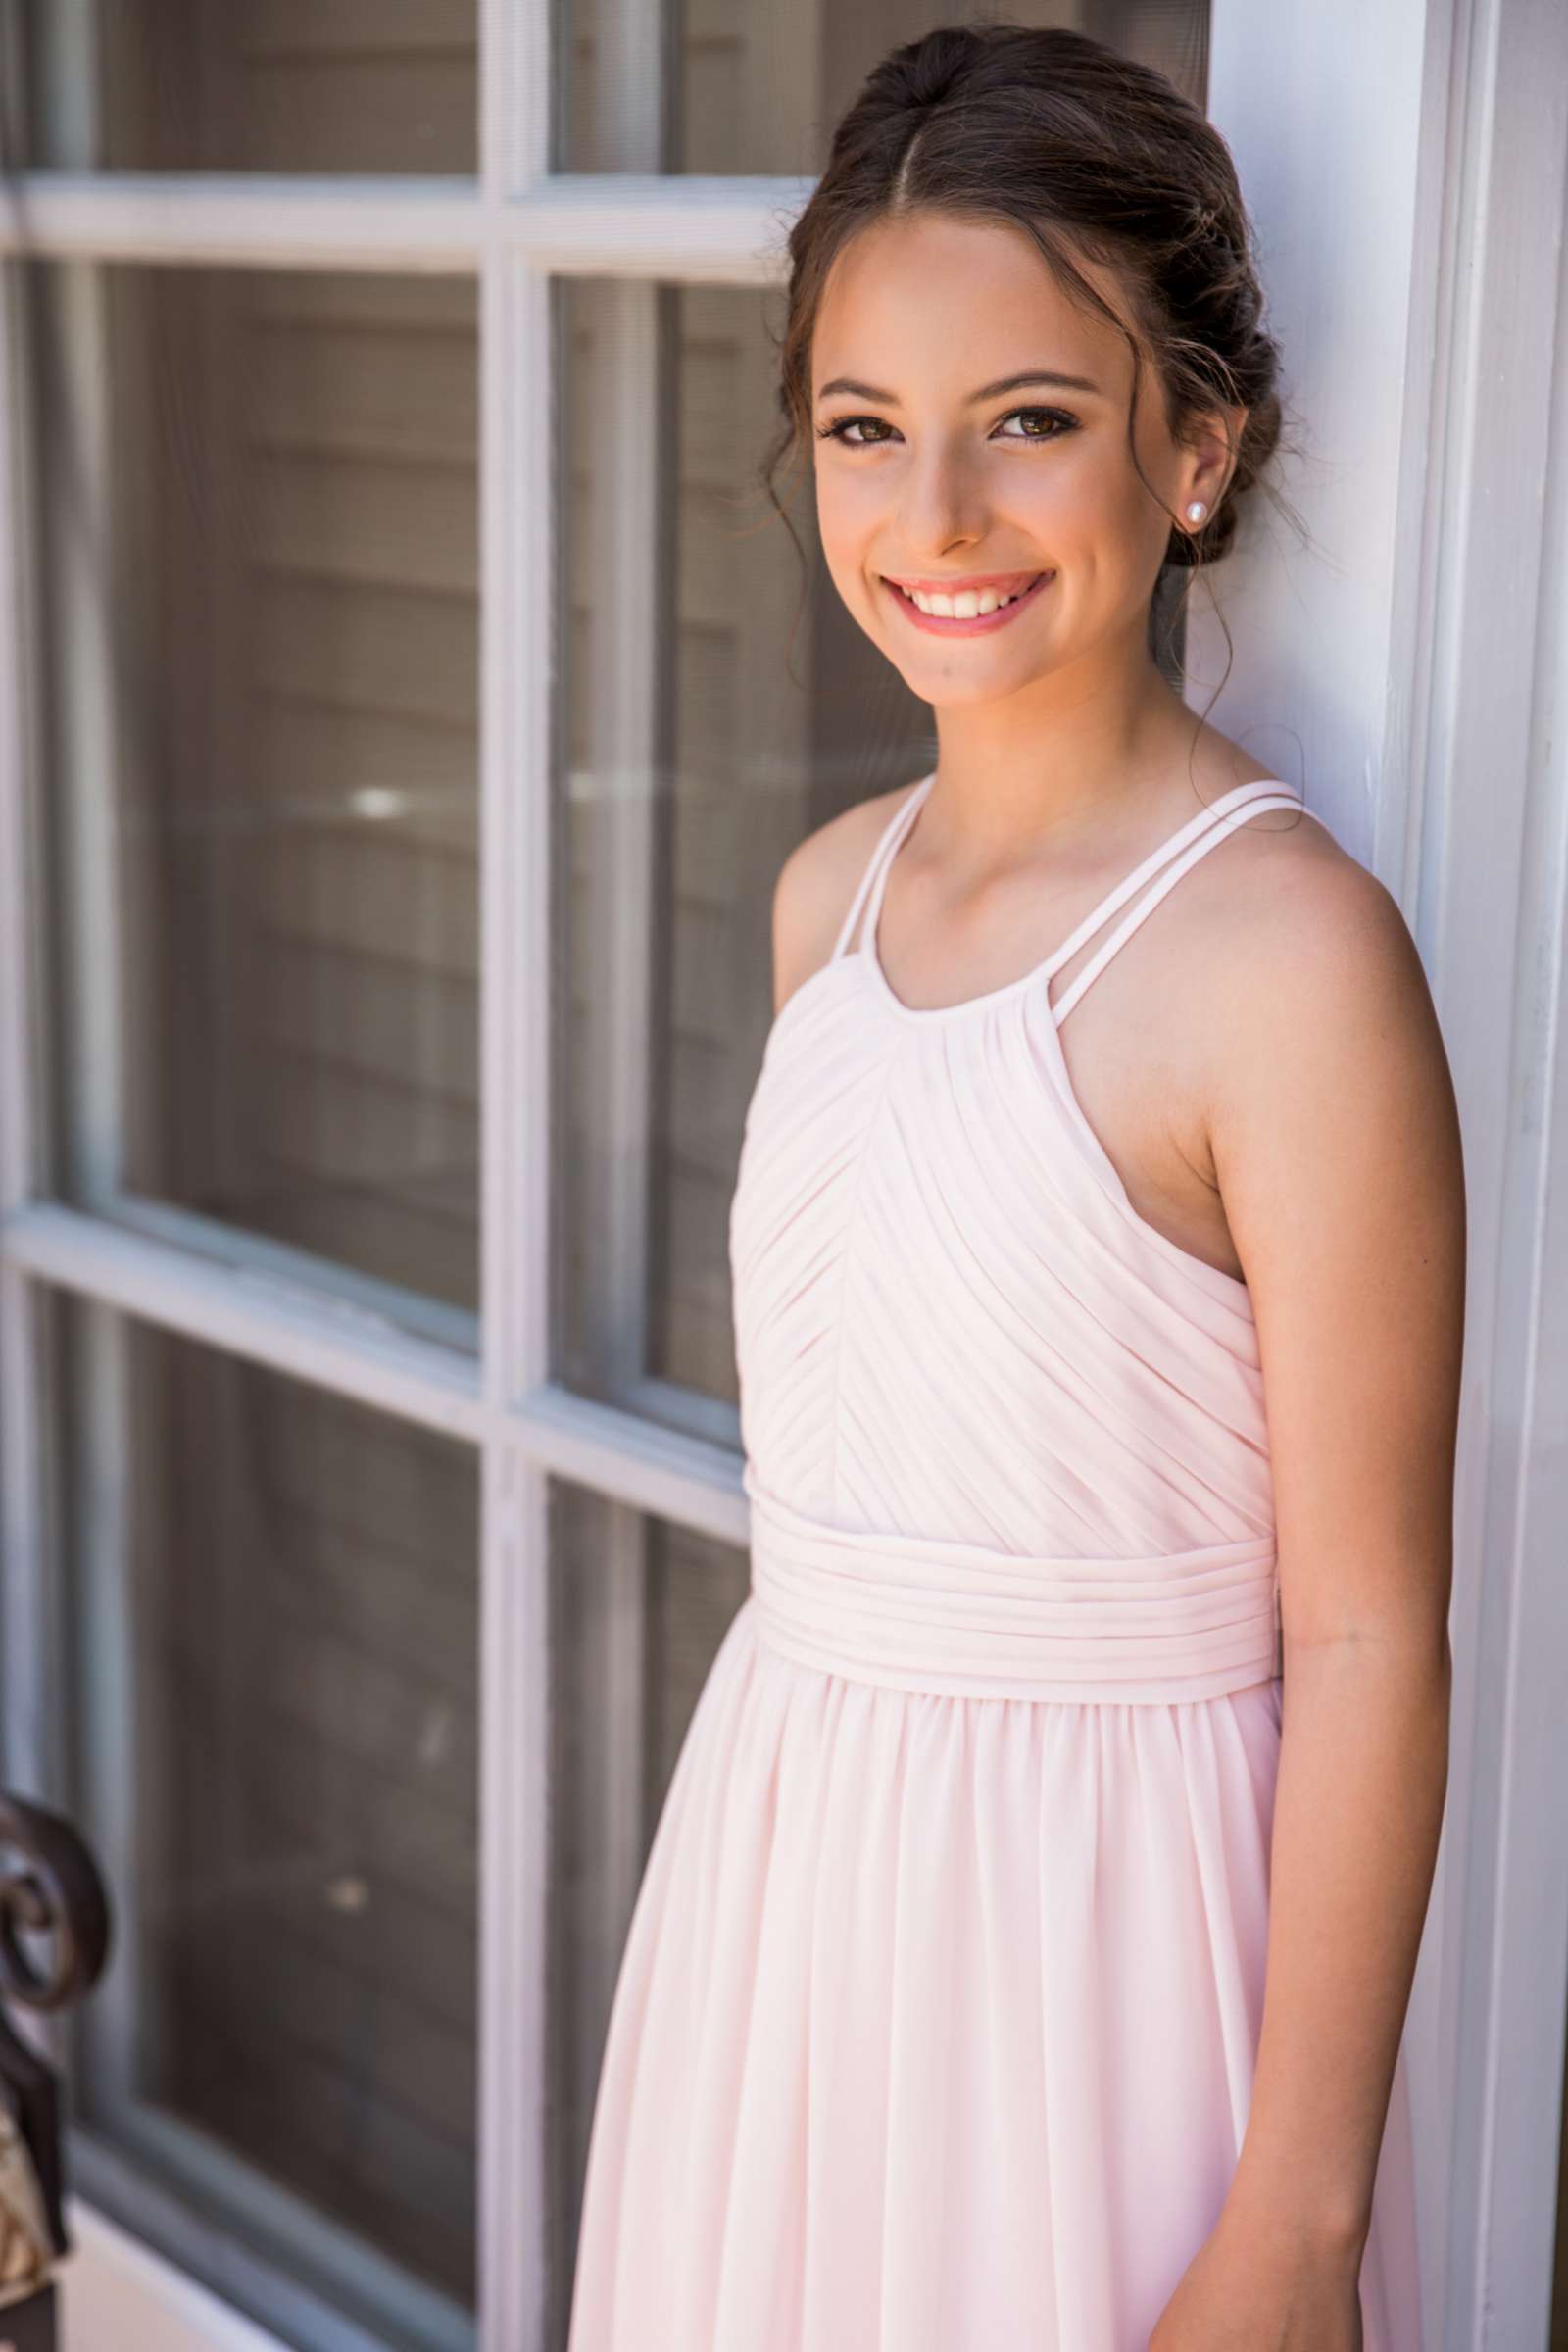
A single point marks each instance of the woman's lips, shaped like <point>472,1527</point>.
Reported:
<point>939,625</point>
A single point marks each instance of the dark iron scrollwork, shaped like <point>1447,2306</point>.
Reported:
<point>54,1943</point>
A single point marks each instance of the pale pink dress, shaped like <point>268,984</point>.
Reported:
<point>936,2022</point>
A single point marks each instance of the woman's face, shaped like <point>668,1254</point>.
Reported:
<point>970,434</point>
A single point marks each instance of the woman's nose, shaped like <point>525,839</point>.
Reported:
<point>940,504</point>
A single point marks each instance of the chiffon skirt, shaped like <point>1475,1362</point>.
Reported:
<point>936,2024</point>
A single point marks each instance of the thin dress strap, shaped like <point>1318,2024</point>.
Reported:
<point>1181,852</point>
<point>880,859</point>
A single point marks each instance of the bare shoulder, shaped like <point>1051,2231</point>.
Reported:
<point>1301,935</point>
<point>1332,1121</point>
<point>816,884</point>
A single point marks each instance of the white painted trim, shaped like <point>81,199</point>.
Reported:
<point>116,2295</point>
<point>390,1306</point>
<point>1492,857</point>
<point>240,2231</point>
<point>517,527</point>
<point>18,877</point>
<point>31,1736</point>
<point>271,221</point>
<point>308,1335</point>
<point>297,1329</point>
<point>514,1906</point>
<point>513,228</point>
<point>662,1471</point>
<point>618,225</point>
<point>1411,219</point>
<point>631,224</point>
<point>91,766</point>
<point>1329,163</point>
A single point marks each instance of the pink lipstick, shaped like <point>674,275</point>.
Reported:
<point>1021,586</point>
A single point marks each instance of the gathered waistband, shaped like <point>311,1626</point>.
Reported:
<point>968,1621</point>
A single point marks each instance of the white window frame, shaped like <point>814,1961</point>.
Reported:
<point>1406,170</point>
<point>512,230</point>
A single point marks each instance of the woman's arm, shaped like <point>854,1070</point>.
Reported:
<point>1335,1145</point>
<point>1336,1149</point>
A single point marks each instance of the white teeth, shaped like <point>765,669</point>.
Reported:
<point>968,605</point>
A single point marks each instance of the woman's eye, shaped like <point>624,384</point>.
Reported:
<point>1044,424</point>
<point>1058,418</point>
<point>841,430</point>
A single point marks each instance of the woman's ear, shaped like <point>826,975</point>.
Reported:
<point>1212,442</point>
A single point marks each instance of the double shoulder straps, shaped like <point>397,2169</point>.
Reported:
<point>881,856</point>
<point>1170,860</point>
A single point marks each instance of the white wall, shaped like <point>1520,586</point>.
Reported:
<point>1405,169</point>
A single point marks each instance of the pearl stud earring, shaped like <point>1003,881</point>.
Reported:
<point>1196,511</point>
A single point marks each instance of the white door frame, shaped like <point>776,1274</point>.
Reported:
<point>1405,166</point>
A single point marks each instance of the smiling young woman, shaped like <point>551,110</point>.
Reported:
<point>1024,1952</point>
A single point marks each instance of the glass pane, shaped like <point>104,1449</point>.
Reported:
<point>637,1609</point>
<point>746,86</point>
<point>252,85</point>
<point>258,502</point>
<point>272,1601</point>
<point>718,703</point>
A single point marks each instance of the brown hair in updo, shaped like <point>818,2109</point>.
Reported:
<point>1089,153</point>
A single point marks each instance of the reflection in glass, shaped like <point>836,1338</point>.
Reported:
<point>747,86</point>
<point>718,704</point>
<point>272,1597</point>
<point>638,1609</point>
<point>258,516</point>
<point>252,85</point>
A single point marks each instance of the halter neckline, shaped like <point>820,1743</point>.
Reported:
<point>1210,817</point>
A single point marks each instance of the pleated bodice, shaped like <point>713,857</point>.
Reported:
<point>952,1328</point>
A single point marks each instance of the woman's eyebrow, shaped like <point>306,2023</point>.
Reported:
<point>1003,383</point>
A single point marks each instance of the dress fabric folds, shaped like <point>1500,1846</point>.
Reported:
<point>936,2021</point>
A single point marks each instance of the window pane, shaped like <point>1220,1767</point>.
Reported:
<point>252,85</point>
<point>272,1597</point>
<point>259,513</point>
<point>718,704</point>
<point>745,86</point>
<point>637,1609</point>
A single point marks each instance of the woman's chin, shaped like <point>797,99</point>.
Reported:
<point>944,685</point>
